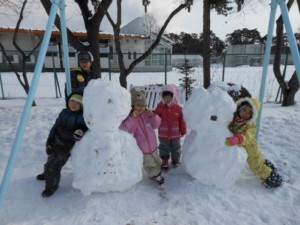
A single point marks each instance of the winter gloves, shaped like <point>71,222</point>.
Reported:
<point>77,135</point>
<point>235,140</point>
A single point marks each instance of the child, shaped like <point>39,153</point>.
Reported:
<point>244,128</point>
<point>141,123</point>
<point>172,127</point>
<point>69,127</point>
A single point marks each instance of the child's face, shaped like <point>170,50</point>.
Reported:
<point>246,113</point>
<point>85,65</point>
<point>74,106</point>
<point>168,99</point>
<point>139,109</point>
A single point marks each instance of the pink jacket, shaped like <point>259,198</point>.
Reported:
<point>142,127</point>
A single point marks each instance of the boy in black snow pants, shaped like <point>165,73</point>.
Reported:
<point>69,127</point>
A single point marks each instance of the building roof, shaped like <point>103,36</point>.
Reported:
<point>77,34</point>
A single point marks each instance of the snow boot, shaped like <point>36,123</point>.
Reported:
<point>273,181</point>
<point>165,164</point>
<point>160,180</point>
<point>49,192</point>
<point>40,176</point>
<point>175,164</point>
<point>271,165</point>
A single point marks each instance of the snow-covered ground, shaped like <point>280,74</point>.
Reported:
<point>185,202</point>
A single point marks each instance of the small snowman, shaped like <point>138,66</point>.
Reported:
<point>106,159</point>
<point>205,154</point>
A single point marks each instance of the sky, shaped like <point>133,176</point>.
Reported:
<point>255,15</point>
<point>186,200</point>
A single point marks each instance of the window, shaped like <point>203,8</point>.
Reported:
<point>129,55</point>
<point>134,55</point>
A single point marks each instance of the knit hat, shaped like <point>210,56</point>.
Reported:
<point>138,98</point>
<point>76,98</point>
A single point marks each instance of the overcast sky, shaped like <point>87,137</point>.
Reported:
<point>253,16</point>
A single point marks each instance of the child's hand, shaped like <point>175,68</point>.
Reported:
<point>136,113</point>
<point>149,113</point>
<point>235,140</point>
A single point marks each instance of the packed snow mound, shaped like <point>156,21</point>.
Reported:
<point>107,158</point>
<point>106,104</point>
<point>205,154</point>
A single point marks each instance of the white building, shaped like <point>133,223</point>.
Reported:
<point>133,38</point>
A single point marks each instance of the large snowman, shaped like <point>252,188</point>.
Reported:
<point>106,159</point>
<point>205,155</point>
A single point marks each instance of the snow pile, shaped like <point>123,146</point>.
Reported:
<point>206,157</point>
<point>106,159</point>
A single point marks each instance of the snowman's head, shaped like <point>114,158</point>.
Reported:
<point>106,104</point>
<point>210,108</point>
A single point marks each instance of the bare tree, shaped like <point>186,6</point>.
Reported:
<point>7,5</point>
<point>150,23</point>
<point>23,80</point>
<point>124,72</point>
<point>290,88</point>
<point>222,7</point>
<point>92,26</point>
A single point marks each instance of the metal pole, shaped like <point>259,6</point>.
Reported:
<point>266,61</point>
<point>1,87</point>
<point>290,35</point>
<point>65,45</point>
<point>109,66</point>
<point>165,68</point>
<point>55,76</point>
<point>29,100</point>
<point>224,62</point>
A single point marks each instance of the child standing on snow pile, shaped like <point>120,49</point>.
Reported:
<point>244,129</point>
<point>141,123</point>
<point>172,127</point>
<point>69,127</point>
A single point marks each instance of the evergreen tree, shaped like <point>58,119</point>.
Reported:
<point>187,80</point>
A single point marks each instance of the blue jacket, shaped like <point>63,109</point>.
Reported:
<point>67,122</point>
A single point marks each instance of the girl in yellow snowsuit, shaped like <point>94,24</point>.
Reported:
<point>244,129</point>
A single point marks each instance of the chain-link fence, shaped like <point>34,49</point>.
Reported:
<point>157,68</point>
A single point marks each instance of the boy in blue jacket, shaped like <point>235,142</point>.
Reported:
<point>69,127</point>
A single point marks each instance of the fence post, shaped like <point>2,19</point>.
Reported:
<point>55,75</point>
<point>165,68</point>
<point>279,92</point>
<point>224,64</point>
<point>109,66</point>
<point>2,91</point>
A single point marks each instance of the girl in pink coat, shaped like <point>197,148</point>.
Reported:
<point>141,123</point>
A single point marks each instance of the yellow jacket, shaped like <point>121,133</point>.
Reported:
<point>256,160</point>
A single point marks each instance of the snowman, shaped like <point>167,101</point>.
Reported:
<point>106,159</point>
<point>205,155</point>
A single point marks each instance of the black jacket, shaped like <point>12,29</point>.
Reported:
<point>62,132</point>
<point>79,79</point>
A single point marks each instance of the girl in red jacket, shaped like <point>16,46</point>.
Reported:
<point>172,127</point>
